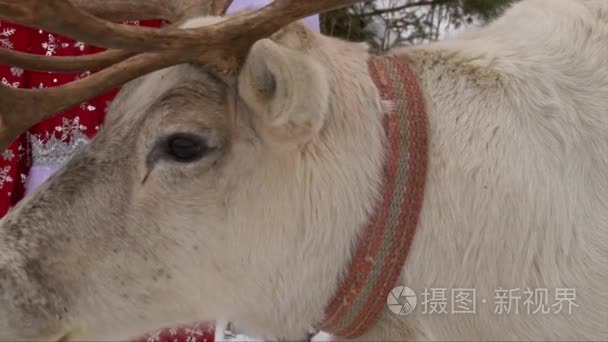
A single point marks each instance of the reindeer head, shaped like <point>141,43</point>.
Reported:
<point>216,187</point>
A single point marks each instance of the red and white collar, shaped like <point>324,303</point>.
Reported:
<point>385,243</point>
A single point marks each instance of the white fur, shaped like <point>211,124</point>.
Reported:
<point>516,196</point>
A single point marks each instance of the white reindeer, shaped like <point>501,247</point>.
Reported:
<point>237,178</point>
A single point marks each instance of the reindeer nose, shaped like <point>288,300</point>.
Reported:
<point>26,314</point>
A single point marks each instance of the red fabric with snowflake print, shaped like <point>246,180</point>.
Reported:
<point>52,142</point>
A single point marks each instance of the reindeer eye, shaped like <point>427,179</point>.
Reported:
<point>185,147</point>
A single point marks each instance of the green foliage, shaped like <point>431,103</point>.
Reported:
<point>344,23</point>
<point>388,23</point>
<point>485,9</point>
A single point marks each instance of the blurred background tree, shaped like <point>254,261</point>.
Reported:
<point>388,23</point>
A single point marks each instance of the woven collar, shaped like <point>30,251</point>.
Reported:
<point>383,248</point>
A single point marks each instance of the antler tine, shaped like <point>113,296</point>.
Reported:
<point>174,10</point>
<point>219,7</point>
<point>81,25</point>
<point>222,46</point>
<point>156,9</point>
<point>63,64</point>
<point>114,10</point>
<point>22,108</point>
<point>118,10</point>
<point>85,27</point>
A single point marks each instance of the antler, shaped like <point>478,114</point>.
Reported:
<point>170,10</point>
<point>222,46</point>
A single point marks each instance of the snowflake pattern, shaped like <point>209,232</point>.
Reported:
<point>8,155</point>
<point>5,38</point>
<point>197,333</point>
<point>70,128</point>
<point>80,45</point>
<point>88,107</point>
<point>5,177</point>
<point>8,83</point>
<point>52,44</point>
<point>17,72</point>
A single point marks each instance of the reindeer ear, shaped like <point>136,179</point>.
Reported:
<point>287,90</point>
